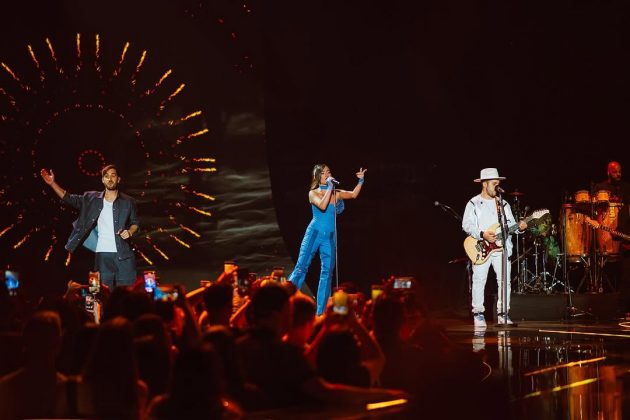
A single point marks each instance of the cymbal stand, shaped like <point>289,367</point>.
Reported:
<point>602,259</point>
<point>540,276</point>
<point>521,263</point>
<point>543,266</point>
<point>588,273</point>
<point>594,286</point>
<point>554,280</point>
<point>571,312</point>
<point>518,247</point>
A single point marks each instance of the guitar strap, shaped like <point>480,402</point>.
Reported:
<point>499,211</point>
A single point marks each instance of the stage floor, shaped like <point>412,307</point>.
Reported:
<point>555,370</point>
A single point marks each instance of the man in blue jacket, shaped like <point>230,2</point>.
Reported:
<point>107,219</point>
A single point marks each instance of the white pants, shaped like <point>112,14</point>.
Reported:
<point>480,275</point>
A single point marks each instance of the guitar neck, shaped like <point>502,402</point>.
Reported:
<point>615,233</point>
<point>513,228</point>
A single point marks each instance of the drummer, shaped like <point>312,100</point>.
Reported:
<point>619,190</point>
<point>620,193</point>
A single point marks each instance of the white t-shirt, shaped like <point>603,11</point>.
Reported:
<point>106,235</point>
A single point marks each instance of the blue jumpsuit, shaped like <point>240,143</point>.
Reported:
<point>320,235</point>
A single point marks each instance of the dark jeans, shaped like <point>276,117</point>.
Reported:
<point>115,272</point>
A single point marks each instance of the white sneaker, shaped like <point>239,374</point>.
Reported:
<point>479,319</point>
<point>502,319</point>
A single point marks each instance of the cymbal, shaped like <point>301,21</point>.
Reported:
<point>516,193</point>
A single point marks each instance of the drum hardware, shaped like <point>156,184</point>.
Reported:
<point>554,279</point>
<point>540,280</point>
<point>516,193</point>
<point>602,260</point>
<point>545,248</point>
<point>519,247</point>
<point>598,244</point>
<point>583,252</point>
<point>592,286</point>
<point>540,277</point>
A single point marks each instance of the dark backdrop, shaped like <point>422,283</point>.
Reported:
<point>425,95</point>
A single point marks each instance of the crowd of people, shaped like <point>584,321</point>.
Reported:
<point>225,351</point>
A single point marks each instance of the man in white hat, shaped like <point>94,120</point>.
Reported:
<point>481,214</point>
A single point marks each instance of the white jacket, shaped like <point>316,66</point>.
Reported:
<point>480,214</point>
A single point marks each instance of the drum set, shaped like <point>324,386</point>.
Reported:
<point>577,252</point>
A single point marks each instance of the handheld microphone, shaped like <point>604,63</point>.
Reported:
<point>499,190</point>
<point>333,180</point>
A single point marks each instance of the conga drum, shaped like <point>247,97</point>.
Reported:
<point>582,197</point>
<point>602,197</point>
<point>577,232</point>
<point>608,217</point>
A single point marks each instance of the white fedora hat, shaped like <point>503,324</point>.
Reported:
<point>489,173</point>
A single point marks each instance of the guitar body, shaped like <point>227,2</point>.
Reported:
<point>480,250</point>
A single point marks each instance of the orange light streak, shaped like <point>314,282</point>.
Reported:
<point>159,82</point>
<point>21,241</point>
<point>561,387</point>
<point>6,229</point>
<point>202,195</point>
<point>78,67</point>
<point>189,116</point>
<point>189,230</point>
<point>212,160</point>
<point>179,241</point>
<point>13,75</point>
<point>171,96</point>
<point>144,257</point>
<point>186,118</point>
<point>54,57</point>
<point>205,169</point>
<point>138,67</point>
<point>36,61</point>
<point>122,58</point>
<point>160,252</point>
<point>97,53</point>
<point>576,363</point>
<point>192,135</point>
<point>205,213</point>
<point>47,256</point>
<point>68,259</point>
<point>385,404</point>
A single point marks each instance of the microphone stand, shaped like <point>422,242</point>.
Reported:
<point>449,210</point>
<point>503,223</point>
<point>517,209</point>
<point>334,193</point>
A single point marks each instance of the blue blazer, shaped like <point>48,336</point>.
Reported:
<point>85,230</point>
